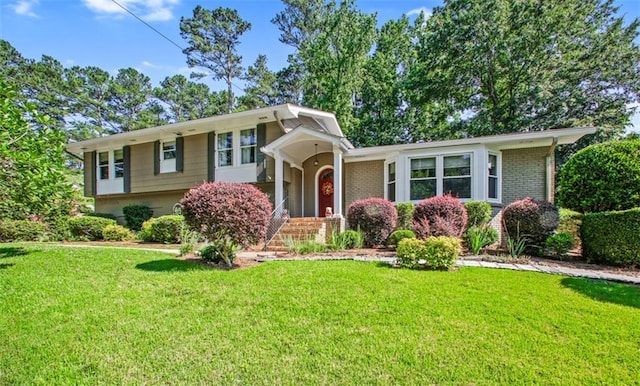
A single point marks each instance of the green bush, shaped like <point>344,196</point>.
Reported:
<point>220,250</point>
<point>439,252</point>
<point>89,228</point>
<point>164,229</point>
<point>135,215</point>
<point>560,243</point>
<point>478,237</point>
<point>103,215</point>
<point>405,215</point>
<point>530,220</point>
<point>478,213</point>
<point>117,233</point>
<point>601,177</point>
<point>612,237</point>
<point>570,222</point>
<point>21,230</point>
<point>399,235</point>
<point>348,239</point>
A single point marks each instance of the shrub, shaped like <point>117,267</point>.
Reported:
<point>478,237</point>
<point>220,250</point>
<point>411,252</point>
<point>163,229</point>
<point>116,233</point>
<point>612,237</point>
<point>21,230</point>
<point>439,252</point>
<point>570,222</point>
<point>103,215</point>
<point>531,219</point>
<point>135,215</point>
<point>439,216</point>
<point>601,177</point>
<point>232,214</point>
<point>560,243</point>
<point>405,215</point>
<point>442,251</point>
<point>89,228</point>
<point>348,239</point>
<point>478,213</point>
<point>399,235</point>
<point>374,217</point>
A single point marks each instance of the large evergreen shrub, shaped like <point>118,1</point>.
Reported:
<point>601,177</point>
<point>227,213</point>
<point>405,215</point>
<point>478,212</point>
<point>612,237</point>
<point>375,217</point>
<point>535,220</point>
<point>439,216</point>
<point>21,230</point>
<point>89,228</point>
<point>135,215</point>
<point>163,229</point>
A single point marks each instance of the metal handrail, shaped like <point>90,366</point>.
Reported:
<point>279,217</point>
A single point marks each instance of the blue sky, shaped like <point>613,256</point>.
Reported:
<point>99,33</point>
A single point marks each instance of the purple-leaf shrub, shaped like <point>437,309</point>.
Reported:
<point>535,220</point>
<point>228,210</point>
<point>375,217</point>
<point>439,216</point>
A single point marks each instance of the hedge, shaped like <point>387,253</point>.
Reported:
<point>612,237</point>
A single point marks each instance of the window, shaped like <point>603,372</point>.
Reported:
<point>103,165</point>
<point>248,146</point>
<point>493,176</point>
<point>168,150</point>
<point>457,176</point>
<point>225,149</point>
<point>423,182</point>
<point>391,182</point>
<point>118,163</point>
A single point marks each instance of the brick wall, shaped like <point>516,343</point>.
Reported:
<point>524,174</point>
<point>363,180</point>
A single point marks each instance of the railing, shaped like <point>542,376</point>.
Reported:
<point>279,217</point>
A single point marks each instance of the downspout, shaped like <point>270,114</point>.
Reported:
<point>550,171</point>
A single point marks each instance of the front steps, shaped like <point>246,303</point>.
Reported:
<point>299,229</point>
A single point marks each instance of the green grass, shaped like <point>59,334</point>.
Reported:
<point>111,316</point>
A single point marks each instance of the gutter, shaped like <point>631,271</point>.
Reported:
<point>275,115</point>
<point>550,171</point>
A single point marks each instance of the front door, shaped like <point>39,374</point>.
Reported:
<point>325,192</point>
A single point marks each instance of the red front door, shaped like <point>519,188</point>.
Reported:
<point>325,192</point>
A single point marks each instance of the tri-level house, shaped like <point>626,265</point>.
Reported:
<point>300,158</point>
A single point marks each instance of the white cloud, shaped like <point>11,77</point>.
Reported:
<point>148,10</point>
<point>25,7</point>
<point>150,65</point>
<point>417,11</point>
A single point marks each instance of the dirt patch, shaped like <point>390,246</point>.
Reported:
<point>238,263</point>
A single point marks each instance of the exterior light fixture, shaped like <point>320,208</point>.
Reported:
<point>315,161</point>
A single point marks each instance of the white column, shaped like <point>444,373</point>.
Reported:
<point>337,181</point>
<point>279,177</point>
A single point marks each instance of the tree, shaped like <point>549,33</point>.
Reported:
<point>510,65</point>
<point>300,21</point>
<point>127,97</point>
<point>88,100</point>
<point>32,162</point>
<point>260,82</point>
<point>213,38</point>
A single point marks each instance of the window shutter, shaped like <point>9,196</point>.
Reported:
<point>126,155</point>
<point>211,156</point>
<point>156,157</point>
<point>90,173</point>
<point>261,139</point>
<point>180,154</point>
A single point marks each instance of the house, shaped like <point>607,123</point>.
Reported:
<point>300,158</point>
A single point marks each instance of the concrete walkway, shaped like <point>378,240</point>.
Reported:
<point>533,267</point>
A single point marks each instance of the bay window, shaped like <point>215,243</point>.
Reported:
<point>439,175</point>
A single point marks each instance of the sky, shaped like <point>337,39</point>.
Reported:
<point>100,33</point>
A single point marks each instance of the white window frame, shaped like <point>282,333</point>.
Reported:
<point>221,149</point>
<point>111,184</point>
<point>106,167</point>
<point>498,177</point>
<point>168,164</point>
<point>253,145</point>
<point>388,181</point>
<point>439,178</point>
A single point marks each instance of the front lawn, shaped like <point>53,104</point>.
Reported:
<point>114,316</point>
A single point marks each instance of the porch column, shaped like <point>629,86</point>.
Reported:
<point>279,177</point>
<point>337,180</point>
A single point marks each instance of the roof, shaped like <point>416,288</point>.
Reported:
<point>321,120</point>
